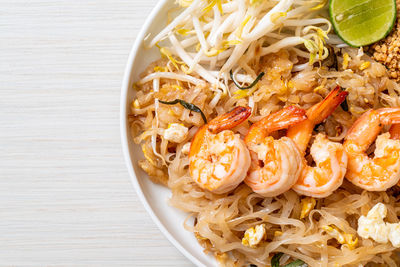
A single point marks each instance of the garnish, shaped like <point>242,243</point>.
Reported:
<point>166,53</point>
<point>360,23</point>
<point>295,263</point>
<point>189,106</point>
<point>212,4</point>
<point>275,261</point>
<point>275,16</point>
<point>239,30</point>
<point>319,6</point>
<point>246,87</point>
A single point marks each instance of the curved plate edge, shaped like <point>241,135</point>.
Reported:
<point>124,132</point>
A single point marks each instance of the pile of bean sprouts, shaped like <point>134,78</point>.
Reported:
<point>214,37</point>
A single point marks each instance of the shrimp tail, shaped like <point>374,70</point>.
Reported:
<point>285,117</point>
<point>382,171</point>
<point>218,124</point>
<point>229,120</point>
<point>364,130</point>
<point>276,121</point>
<point>301,133</point>
<point>389,115</point>
<point>318,113</point>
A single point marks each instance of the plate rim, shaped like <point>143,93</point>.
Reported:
<point>124,131</point>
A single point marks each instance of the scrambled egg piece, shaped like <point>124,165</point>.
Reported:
<point>346,59</point>
<point>254,236</point>
<point>394,234</point>
<point>186,148</point>
<point>176,132</point>
<point>373,226</point>
<point>365,65</point>
<point>307,205</point>
<point>278,233</point>
<point>343,238</point>
<point>136,104</point>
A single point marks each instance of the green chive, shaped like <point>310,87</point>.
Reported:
<point>246,87</point>
<point>189,106</point>
<point>296,263</point>
<point>275,261</point>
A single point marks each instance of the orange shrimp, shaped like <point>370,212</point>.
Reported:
<point>395,135</point>
<point>383,170</point>
<point>395,131</point>
<point>218,158</point>
<point>275,164</point>
<point>330,158</point>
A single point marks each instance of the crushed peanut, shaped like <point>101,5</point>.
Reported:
<point>387,51</point>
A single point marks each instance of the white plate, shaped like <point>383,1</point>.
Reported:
<point>154,197</point>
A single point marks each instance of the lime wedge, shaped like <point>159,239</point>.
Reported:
<point>362,22</point>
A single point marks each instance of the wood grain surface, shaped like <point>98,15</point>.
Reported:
<point>65,194</point>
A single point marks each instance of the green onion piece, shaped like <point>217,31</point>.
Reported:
<point>186,105</point>
<point>296,263</point>
<point>246,87</point>
<point>275,261</point>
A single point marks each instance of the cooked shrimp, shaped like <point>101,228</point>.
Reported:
<point>395,132</point>
<point>395,135</point>
<point>329,157</point>
<point>218,158</point>
<point>383,170</point>
<point>275,164</point>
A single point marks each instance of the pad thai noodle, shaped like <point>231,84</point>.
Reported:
<point>280,141</point>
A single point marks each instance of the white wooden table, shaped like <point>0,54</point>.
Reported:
<point>65,194</point>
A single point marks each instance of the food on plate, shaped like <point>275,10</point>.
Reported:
<point>276,258</point>
<point>382,171</point>
<point>275,164</point>
<point>253,115</point>
<point>387,50</point>
<point>254,236</point>
<point>372,226</point>
<point>329,157</point>
<point>218,158</point>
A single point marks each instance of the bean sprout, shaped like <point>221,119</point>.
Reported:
<point>213,37</point>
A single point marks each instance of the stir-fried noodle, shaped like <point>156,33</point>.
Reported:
<point>207,48</point>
